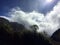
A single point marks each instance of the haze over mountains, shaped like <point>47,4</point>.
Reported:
<point>13,33</point>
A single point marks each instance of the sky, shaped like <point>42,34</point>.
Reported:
<point>45,14</point>
<point>26,5</point>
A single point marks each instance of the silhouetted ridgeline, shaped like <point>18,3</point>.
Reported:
<point>12,33</point>
<point>56,37</point>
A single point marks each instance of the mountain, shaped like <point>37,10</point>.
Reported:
<point>12,33</point>
<point>56,37</point>
<point>17,27</point>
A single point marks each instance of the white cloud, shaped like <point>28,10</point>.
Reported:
<point>54,18</point>
<point>26,19</point>
<point>5,17</point>
<point>49,23</point>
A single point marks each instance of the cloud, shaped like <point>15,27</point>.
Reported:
<point>24,18</point>
<point>48,23</point>
<point>54,18</point>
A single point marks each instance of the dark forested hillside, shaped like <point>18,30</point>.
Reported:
<point>12,33</point>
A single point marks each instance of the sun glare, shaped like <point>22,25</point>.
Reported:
<point>49,1</point>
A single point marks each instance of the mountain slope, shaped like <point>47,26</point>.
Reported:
<point>17,27</point>
<point>56,36</point>
<point>10,35</point>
